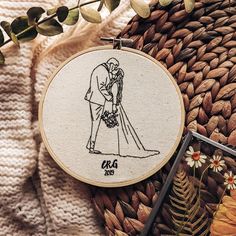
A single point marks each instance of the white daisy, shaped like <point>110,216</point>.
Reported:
<point>194,158</point>
<point>230,180</point>
<point>216,163</point>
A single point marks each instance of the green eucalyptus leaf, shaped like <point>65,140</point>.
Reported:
<point>189,5</point>
<point>1,37</point>
<point>112,4</point>
<point>141,8</point>
<point>52,11</point>
<point>101,5</point>
<point>34,14</point>
<point>62,13</point>
<point>2,58</point>
<point>165,2</point>
<point>7,28</point>
<point>50,28</point>
<point>14,39</point>
<point>90,15</point>
<point>72,17</point>
<point>20,24</point>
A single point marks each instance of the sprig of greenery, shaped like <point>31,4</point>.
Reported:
<point>26,28</point>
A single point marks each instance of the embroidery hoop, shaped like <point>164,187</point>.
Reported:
<point>120,183</point>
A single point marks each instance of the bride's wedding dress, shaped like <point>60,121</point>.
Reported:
<point>121,140</point>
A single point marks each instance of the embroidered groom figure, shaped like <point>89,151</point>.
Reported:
<point>97,95</point>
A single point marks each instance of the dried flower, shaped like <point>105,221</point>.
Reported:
<point>216,163</point>
<point>230,180</point>
<point>194,158</point>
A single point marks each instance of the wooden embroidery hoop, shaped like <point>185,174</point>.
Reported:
<point>110,184</point>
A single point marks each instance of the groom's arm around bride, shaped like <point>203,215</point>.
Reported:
<point>97,92</point>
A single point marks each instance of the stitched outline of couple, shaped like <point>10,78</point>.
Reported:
<point>105,93</point>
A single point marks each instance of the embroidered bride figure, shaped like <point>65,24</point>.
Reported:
<point>111,130</point>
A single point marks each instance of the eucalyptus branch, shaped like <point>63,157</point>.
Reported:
<point>47,19</point>
<point>26,28</point>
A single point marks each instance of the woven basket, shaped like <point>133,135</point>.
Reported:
<point>199,50</point>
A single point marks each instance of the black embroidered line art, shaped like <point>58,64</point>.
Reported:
<point>105,102</point>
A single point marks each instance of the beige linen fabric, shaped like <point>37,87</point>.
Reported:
<point>36,196</point>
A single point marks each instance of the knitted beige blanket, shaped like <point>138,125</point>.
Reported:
<point>36,196</point>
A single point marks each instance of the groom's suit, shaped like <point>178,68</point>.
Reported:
<point>97,92</point>
<point>96,95</point>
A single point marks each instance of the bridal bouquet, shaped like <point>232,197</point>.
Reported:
<point>110,119</point>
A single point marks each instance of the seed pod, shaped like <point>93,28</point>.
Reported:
<point>215,89</point>
<point>222,122</point>
<point>217,107</point>
<point>127,209</point>
<point>135,201</point>
<point>154,199</point>
<point>190,90</point>
<point>207,102</point>
<point>189,76</point>
<point>227,91</point>
<point>108,232</point>
<point>182,74</point>
<point>217,73</point>
<point>120,233</point>
<point>212,124</point>
<point>199,65</point>
<point>226,111</point>
<point>223,139</point>
<point>169,60</point>
<point>129,229</point>
<point>113,219</point>
<point>214,43</point>
<point>192,126</point>
<point>97,209</point>
<point>227,64</point>
<point>198,79</point>
<point>202,116</point>
<point>205,86</point>
<point>108,222</point>
<point>201,130</point>
<point>224,30</point>
<point>177,48</point>
<point>232,72</point>
<point>192,115</point>
<point>196,101</point>
<point>107,202</point>
<point>143,213</point>
<point>119,212</point>
<point>178,16</point>
<point>232,138</point>
<point>192,59</point>
<point>232,123</point>
<point>137,225</point>
<point>122,195</point>
<point>214,63</point>
<point>224,80</point>
<point>173,69</point>
<point>150,190</point>
<point>215,135</point>
<point>143,198</point>
<point>162,54</point>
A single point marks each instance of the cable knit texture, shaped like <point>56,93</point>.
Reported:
<point>36,196</point>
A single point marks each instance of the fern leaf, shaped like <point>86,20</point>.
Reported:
<point>187,215</point>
